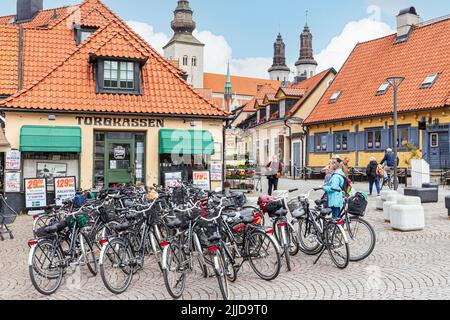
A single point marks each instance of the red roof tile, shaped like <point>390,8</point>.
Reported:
<point>241,85</point>
<point>425,52</point>
<point>259,96</point>
<point>58,75</point>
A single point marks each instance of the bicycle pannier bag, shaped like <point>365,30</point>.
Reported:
<point>357,205</point>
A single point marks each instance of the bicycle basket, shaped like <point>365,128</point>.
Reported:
<point>294,205</point>
<point>357,205</point>
<point>82,221</point>
<point>273,206</point>
<point>7,219</point>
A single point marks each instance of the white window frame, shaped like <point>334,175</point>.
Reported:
<point>437,140</point>
<point>335,96</point>
<point>429,81</point>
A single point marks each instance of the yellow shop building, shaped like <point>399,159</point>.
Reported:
<point>354,118</point>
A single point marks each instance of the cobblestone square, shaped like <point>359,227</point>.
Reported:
<point>414,265</point>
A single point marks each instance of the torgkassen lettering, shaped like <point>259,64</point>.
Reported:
<point>119,122</point>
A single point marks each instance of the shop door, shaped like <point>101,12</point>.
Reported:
<point>297,155</point>
<point>119,162</point>
<point>439,150</point>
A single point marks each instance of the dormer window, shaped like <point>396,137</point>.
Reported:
<point>82,33</point>
<point>118,76</point>
<point>383,89</point>
<point>429,81</point>
<point>335,96</point>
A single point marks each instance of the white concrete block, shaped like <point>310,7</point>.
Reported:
<point>379,203</point>
<point>387,210</point>
<point>410,201</point>
<point>386,193</point>
<point>407,217</point>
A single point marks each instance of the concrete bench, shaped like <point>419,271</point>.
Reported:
<point>391,200</point>
<point>407,217</point>
<point>426,195</point>
<point>447,204</point>
<point>383,197</point>
<point>431,185</point>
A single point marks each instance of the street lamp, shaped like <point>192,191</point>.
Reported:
<point>395,83</point>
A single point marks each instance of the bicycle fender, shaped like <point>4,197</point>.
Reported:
<point>164,258</point>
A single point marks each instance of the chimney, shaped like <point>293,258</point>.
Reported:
<point>27,9</point>
<point>406,19</point>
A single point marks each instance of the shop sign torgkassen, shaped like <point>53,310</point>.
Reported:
<point>120,122</point>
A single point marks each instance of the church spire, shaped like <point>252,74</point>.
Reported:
<point>279,70</point>
<point>306,64</point>
<point>228,92</point>
<point>183,21</point>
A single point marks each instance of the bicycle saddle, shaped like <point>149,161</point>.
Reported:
<point>320,202</point>
<point>298,213</point>
<point>215,237</point>
<point>122,227</point>
<point>52,229</point>
<point>280,212</point>
<point>248,219</point>
<point>325,212</point>
<point>174,223</point>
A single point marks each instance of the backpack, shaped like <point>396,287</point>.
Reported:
<point>380,171</point>
<point>347,185</point>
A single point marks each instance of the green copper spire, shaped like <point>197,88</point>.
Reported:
<point>228,88</point>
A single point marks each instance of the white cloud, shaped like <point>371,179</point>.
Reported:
<point>339,48</point>
<point>217,52</point>
<point>156,39</point>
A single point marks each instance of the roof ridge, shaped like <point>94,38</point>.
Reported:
<point>43,10</point>
<point>56,66</point>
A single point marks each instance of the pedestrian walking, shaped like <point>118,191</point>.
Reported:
<point>334,189</point>
<point>275,168</point>
<point>372,172</point>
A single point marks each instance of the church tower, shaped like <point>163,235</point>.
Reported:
<point>306,65</point>
<point>184,47</point>
<point>228,92</point>
<point>279,70</point>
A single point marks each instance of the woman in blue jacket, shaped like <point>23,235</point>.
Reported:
<point>334,189</point>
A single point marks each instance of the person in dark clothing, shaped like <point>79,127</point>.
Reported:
<point>389,159</point>
<point>371,172</point>
<point>275,169</point>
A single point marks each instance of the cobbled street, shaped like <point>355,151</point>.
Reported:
<point>414,265</point>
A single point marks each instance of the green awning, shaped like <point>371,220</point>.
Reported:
<point>50,139</point>
<point>194,142</point>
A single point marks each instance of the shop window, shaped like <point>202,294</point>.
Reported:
<point>403,137</point>
<point>115,76</point>
<point>321,142</point>
<point>373,139</point>
<point>341,141</point>
<point>186,164</point>
<point>50,165</point>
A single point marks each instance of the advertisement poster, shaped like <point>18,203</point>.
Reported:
<point>12,182</point>
<point>172,179</point>
<point>50,171</point>
<point>65,189</point>
<point>35,193</point>
<point>12,160</point>
<point>202,180</point>
<point>216,171</point>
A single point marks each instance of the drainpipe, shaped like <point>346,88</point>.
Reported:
<point>225,127</point>
<point>20,69</point>
<point>290,145</point>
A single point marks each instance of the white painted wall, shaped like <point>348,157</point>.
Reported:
<point>176,51</point>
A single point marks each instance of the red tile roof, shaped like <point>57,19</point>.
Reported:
<point>241,85</point>
<point>425,52</point>
<point>9,59</point>
<point>259,96</point>
<point>308,86</point>
<point>59,76</point>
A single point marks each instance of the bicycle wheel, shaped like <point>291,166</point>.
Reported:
<point>294,245</point>
<point>199,253</point>
<point>46,267</point>
<point>88,254</point>
<point>337,246</point>
<point>219,269</point>
<point>43,221</point>
<point>115,266</point>
<point>174,273</point>
<point>362,239</point>
<point>308,242</point>
<point>262,252</point>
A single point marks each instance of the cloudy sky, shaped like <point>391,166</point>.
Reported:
<point>243,32</point>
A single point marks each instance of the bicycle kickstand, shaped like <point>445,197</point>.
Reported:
<point>320,255</point>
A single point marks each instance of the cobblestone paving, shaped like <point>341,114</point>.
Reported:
<point>413,265</point>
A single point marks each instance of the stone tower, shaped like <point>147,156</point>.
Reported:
<point>184,47</point>
<point>306,65</point>
<point>279,70</point>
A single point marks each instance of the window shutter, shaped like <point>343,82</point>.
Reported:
<point>385,139</point>
<point>351,141</point>
<point>330,142</point>
<point>361,141</point>
<point>414,136</point>
<point>311,144</point>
